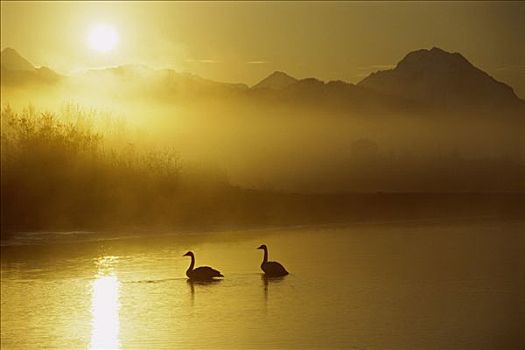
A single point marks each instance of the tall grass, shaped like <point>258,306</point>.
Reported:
<point>59,171</point>
<point>77,170</point>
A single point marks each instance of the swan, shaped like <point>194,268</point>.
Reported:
<point>271,268</point>
<point>202,273</point>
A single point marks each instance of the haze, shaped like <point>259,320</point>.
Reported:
<point>337,97</point>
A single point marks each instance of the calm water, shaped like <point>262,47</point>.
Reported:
<point>375,286</point>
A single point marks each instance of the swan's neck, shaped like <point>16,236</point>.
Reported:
<point>265,259</point>
<point>192,263</point>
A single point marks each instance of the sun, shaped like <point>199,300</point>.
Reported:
<point>103,38</point>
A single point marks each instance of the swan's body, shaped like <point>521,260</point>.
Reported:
<point>203,273</point>
<point>271,268</point>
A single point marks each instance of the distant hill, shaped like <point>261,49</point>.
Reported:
<point>277,80</point>
<point>161,82</point>
<point>12,60</point>
<point>312,93</point>
<point>445,80</point>
<point>16,70</point>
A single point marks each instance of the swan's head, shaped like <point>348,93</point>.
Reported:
<point>188,254</point>
<point>262,246</point>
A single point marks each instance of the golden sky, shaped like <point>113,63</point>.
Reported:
<point>244,42</point>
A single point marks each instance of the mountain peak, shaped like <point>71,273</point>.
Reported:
<point>434,58</point>
<point>442,79</point>
<point>12,60</point>
<point>277,80</point>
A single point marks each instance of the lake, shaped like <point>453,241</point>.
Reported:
<point>411,285</point>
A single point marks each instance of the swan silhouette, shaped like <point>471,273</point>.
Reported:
<point>271,268</point>
<point>202,273</point>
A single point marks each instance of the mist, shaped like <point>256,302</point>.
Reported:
<point>292,144</point>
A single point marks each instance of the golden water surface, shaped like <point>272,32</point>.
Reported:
<point>375,286</point>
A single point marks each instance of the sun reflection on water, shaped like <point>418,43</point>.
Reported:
<point>105,306</point>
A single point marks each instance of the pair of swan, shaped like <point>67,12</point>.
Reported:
<point>203,273</point>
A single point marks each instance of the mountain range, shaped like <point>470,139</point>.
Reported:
<point>424,79</point>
